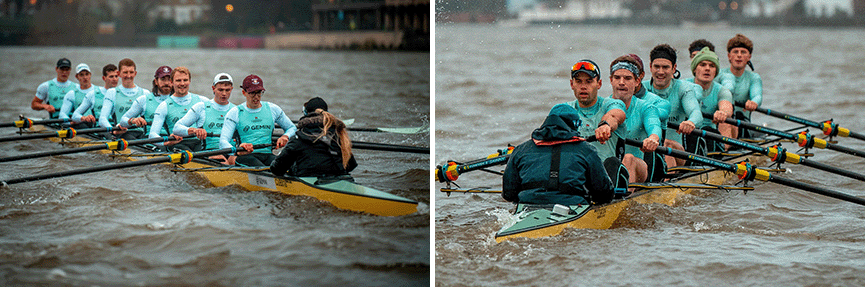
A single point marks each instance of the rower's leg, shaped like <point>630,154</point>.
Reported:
<point>636,168</point>
<point>671,161</point>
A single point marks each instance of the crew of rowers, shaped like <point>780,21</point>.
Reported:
<point>318,145</point>
<point>638,109</point>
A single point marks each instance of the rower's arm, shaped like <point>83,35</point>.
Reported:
<point>651,121</point>
<point>68,103</point>
<point>228,127</point>
<point>158,121</point>
<point>283,121</point>
<point>691,105</point>
<point>38,102</point>
<point>85,105</point>
<point>756,89</point>
<point>107,109</point>
<point>136,110</point>
<point>614,118</point>
<point>191,117</point>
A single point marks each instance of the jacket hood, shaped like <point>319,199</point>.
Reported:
<point>312,125</point>
<point>560,124</point>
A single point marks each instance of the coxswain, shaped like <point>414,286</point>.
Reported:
<point>49,94</point>
<point>321,147</point>
<point>254,122</point>
<point>557,166</point>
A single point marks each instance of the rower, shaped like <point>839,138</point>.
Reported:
<point>140,113</point>
<point>600,116</point>
<point>714,99</point>
<point>682,95</point>
<point>207,116</point>
<point>642,122</point>
<point>175,107</point>
<point>746,86</point>
<point>557,166</point>
<point>74,97</point>
<point>698,45</point>
<point>322,147</point>
<point>94,99</point>
<point>254,122</point>
<point>119,100</point>
<point>49,94</point>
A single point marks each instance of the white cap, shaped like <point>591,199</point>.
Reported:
<point>82,67</point>
<point>222,77</point>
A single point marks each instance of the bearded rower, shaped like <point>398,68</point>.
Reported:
<point>74,97</point>
<point>254,121</point>
<point>49,95</point>
<point>95,98</point>
<point>682,95</point>
<point>175,107</point>
<point>208,116</point>
<point>140,113</point>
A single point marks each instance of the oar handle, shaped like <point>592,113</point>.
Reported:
<point>117,145</point>
<point>25,123</point>
<point>67,133</point>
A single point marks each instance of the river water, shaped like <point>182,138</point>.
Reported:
<point>495,84</point>
<point>149,226</point>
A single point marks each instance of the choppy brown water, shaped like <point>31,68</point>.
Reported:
<point>149,226</point>
<point>494,85</point>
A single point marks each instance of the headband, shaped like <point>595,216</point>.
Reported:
<point>627,66</point>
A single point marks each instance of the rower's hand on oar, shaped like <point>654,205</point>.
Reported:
<point>686,127</point>
<point>603,133</point>
<point>88,119</point>
<point>650,144</point>
<point>138,122</point>
<point>719,117</point>
<point>49,108</point>
<point>751,105</point>
<point>118,130</point>
<point>176,140</point>
<point>199,133</point>
<point>247,149</point>
<point>282,141</point>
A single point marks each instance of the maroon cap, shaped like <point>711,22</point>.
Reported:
<point>162,72</point>
<point>252,83</point>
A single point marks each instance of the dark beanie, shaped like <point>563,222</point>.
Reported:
<point>313,104</point>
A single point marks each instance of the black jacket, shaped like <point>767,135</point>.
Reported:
<point>306,156</point>
<point>581,171</point>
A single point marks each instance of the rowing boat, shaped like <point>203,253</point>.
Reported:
<point>342,194</point>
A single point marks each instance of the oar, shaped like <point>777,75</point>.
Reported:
<point>380,146</point>
<point>25,123</point>
<point>408,130</point>
<point>389,147</point>
<point>452,171</point>
<point>64,134</point>
<point>829,128</point>
<point>118,145</point>
<point>804,139</point>
<point>748,172</point>
<point>777,154</point>
<point>177,158</point>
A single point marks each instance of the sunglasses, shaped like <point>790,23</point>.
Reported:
<point>584,66</point>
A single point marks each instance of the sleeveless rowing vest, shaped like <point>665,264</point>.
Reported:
<point>213,120</point>
<point>79,97</point>
<point>55,97</point>
<point>255,128</point>
<point>123,103</point>
<point>176,111</point>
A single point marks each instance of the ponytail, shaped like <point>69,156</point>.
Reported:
<point>344,141</point>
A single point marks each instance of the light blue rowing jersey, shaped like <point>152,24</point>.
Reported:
<point>641,120</point>
<point>592,116</point>
<point>749,86</point>
<point>684,105</point>
<point>709,100</point>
